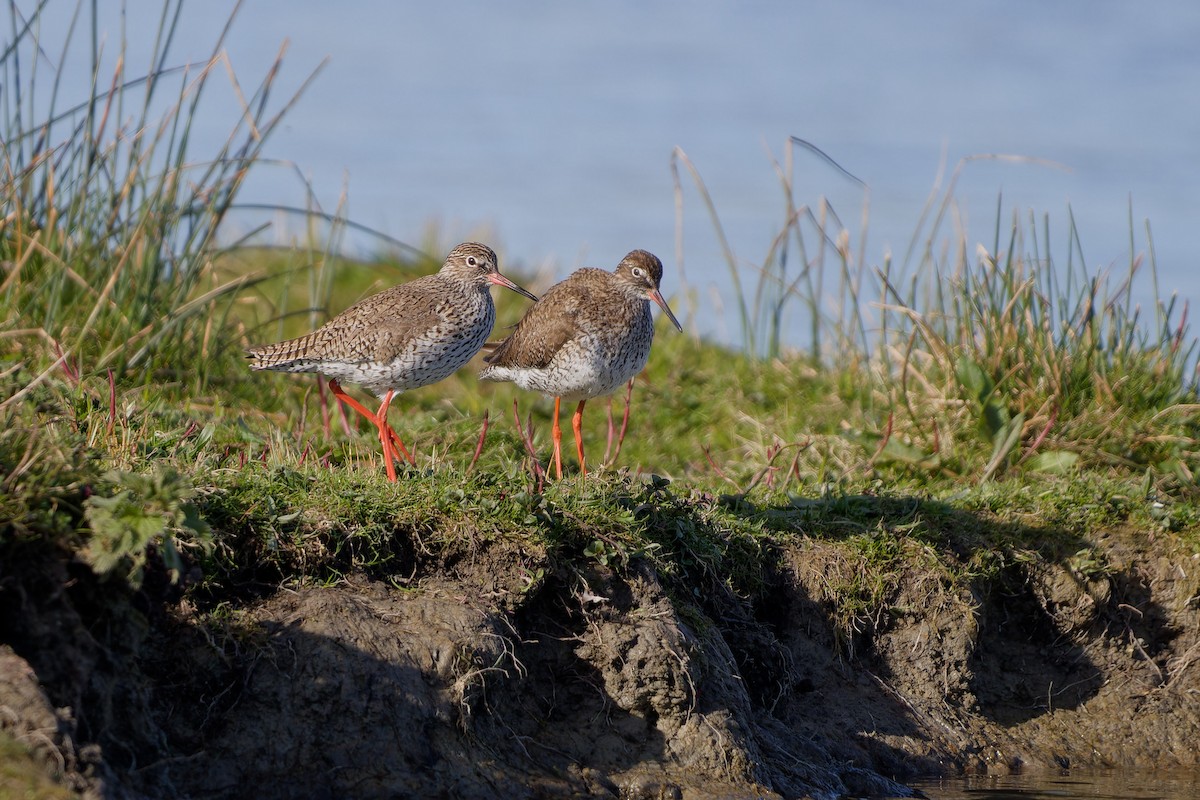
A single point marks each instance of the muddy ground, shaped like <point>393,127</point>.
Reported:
<point>468,681</point>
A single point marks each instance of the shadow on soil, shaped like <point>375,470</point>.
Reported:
<point>951,616</point>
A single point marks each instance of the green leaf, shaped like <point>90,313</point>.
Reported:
<point>596,550</point>
<point>1003,443</point>
<point>994,416</point>
<point>1056,462</point>
<point>145,511</point>
<point>972,378</point>
<point>897,451</point>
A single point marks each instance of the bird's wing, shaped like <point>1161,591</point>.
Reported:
<point>548,325</point>
<point>374,329</point>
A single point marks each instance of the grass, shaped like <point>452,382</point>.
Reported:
<point>957,413</point>
<point>109,231</point>
<point>21,776</point>
<point>971,363</point>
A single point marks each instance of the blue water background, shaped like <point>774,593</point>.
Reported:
<point>547,128</point>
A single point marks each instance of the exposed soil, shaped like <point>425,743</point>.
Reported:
<point>472,684</point>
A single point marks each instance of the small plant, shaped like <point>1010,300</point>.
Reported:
<point>147,514</point>
<point>606,554</point>
<point>999,427</point>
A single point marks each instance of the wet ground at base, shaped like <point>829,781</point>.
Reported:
<point>1073,785</point>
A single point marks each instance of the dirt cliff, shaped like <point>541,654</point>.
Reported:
<point>471,680</point>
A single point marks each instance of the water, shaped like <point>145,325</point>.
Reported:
<point>1173,784</point>
<point>547,127</point>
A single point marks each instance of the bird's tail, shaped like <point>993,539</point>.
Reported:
<point>278,356</point>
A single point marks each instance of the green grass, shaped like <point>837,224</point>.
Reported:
<point>968,362</point>
<point>997,409</point>
<point>281,507</point>
<point>22,777</point>
<point>110,222</point>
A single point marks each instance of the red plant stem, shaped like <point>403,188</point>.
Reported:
<point>539,473</point>
<point>717,469</point>
<point>323,400</point>
<point>624,420</point>
<point>1041,437</point>
<point>1179,331</point>
<point>520,430</point>
<point>71,373</point>
<point>479,444</point>
<point>887,437</point>
<point>112,402</point>
<point>527,440</point>
<point>611,431</point>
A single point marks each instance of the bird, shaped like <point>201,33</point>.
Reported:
<point>410,335</point>
<point>586,336</point>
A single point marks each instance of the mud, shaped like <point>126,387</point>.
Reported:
<point>471,682</point>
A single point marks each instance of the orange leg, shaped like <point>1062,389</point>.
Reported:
<point>577,427</point>
<point>557,431</point>
<point>389,453</point>
<point>376,418</point>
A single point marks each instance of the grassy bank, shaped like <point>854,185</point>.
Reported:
<point>964,411</point>
<point>993,379</point>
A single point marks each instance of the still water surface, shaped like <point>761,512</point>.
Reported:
<point>1075,785</point>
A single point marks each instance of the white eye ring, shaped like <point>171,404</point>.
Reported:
<point>471,261</point>
<point>638,272</point>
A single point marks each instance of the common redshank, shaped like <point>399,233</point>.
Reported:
<point>407,336</point>
<point>588,335</point>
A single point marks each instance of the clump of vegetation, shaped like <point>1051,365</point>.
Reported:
<point>140,513</point>
<point>109,234</point>
<point>965,364</point>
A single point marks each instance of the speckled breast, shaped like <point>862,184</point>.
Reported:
<point>601,361</point>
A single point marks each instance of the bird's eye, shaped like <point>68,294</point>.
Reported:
<point>471,262</point>
<point>638,272</point>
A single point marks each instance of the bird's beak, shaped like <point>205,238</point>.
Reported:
<point>654,295</point>
<point>500,280</point>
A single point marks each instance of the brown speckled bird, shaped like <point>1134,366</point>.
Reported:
<point>407,336</point>
<point>588,335</point>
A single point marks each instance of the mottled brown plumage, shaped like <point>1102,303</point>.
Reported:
<point>407,336</point>
<point>588,335</point>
